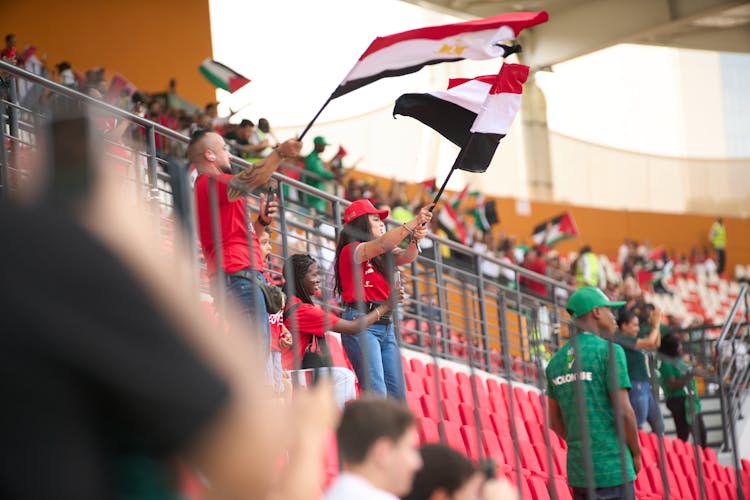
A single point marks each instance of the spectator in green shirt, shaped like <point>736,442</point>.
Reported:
<point>321,170</point>
<point>676,376</point>
<point>641,395</point>
<point>592,313</point>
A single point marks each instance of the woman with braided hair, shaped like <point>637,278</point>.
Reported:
<point>302,283</point>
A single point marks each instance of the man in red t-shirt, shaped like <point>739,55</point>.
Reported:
<point>533,261</point>
<point>210,155</point>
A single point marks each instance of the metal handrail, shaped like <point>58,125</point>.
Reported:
<point>729,391</point>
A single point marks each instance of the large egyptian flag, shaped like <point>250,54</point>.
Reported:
<point>410,51</point>
<point>222,76</point>
<point>473,114</point>
<point>557,229</point>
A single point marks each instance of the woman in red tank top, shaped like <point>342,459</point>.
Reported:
<point>367,258</point>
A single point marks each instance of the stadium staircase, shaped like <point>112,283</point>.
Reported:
<point>473,349</point>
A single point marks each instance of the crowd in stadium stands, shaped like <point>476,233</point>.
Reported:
<point>377,438</point>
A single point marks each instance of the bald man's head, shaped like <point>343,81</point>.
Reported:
<point>208,149</point>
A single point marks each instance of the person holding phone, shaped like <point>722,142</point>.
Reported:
<point>239,243</point>
<point>364,280</point>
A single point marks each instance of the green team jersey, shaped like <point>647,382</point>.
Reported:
<point>636,359</point>
<point>676,368</point>
<point>314,164</point>
<point>593,353</point>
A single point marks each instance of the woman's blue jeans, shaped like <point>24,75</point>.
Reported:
<point>376,359</point>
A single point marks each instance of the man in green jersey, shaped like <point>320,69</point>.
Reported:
<point>592,313</point>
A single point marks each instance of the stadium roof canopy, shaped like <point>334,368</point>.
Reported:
<point>577,27</point>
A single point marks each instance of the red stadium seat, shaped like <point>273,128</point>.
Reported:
<point>450,411</point>
<point>447,374</point>
<point>431,369</point>
<point>414,404</point>
<point>468,417</point>
<point>470,438</point>
<point>428,430</point>
<point>413,382</point>
<point>538,488</point>
<point>529,459</point>
<point>562,490</point>
<point>653,475</point>
<point>492,445</point>
<point>430,407</point>
<point>449,390</point>
<point>417,367</point>
<point>453,436</point>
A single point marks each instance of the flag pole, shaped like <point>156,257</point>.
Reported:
<point>307,128</point>
<point>456,163</point>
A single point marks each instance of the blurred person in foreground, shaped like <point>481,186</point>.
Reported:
<point>109,371</point>
<point>680,390</point>
<point>641,393</point>
<point>379,449</point>
<point>448,475</point>
<point>591,311</point>
<point>242,267</point>
<point>366,267</point>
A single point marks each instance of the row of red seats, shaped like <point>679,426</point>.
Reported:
<point>465,408</point>
<point>470,407</point>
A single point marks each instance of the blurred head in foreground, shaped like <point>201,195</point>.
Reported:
<point>378,441</point>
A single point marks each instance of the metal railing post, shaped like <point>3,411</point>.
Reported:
<point>482,314</point>
<point>439,297</point>
<point>152,166</point>
<point>4,188</point>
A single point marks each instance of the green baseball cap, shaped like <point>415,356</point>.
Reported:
<point>320,140</point>
<point>586,299</point>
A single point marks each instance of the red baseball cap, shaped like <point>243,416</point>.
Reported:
<point>362,207</point>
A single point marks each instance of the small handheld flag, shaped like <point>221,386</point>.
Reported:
<point>222,76</point>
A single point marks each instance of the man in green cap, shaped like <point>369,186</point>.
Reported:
<point>315,164</point>
<point>591,311</point>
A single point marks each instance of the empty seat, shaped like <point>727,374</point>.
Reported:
<point>562,490</point>
<point>447,374</point>
<point>492,445</point>
<point>471,442</point>
<point>449,390</point>
<point>450,411</point>
<point>428,430</point>
<point>468,417</point>
<point>453,436</point>
<point>537,488</point>
<point>417,367</point>
<point>429,407</point>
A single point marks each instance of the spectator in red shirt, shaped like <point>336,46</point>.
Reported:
<point>281,337</point>
<point>302,283</point>
<point>208,152</point>
<point>363,280</point>
<point>533,261</point>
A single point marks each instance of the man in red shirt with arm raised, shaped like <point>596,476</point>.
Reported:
<point>241,268</point>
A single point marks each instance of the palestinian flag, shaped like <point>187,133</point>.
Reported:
<point>485,215</point>
<point>555,230</point>
<point>459,198</point>
<point>409,51</point>
<point>430,185</point>
<point>222,76</point>
<point>451,223</point>
<point>473,114</point>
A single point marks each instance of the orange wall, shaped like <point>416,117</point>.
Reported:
<point>604,230</point>
<point>148,42</point>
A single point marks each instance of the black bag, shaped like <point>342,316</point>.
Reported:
<point>317,354</point>
<point>273,296</point>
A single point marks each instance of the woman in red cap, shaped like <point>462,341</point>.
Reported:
<point>366,261</point>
